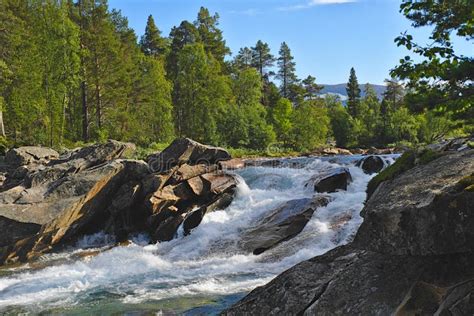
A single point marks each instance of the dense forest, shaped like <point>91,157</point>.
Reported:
<point>74,72</point>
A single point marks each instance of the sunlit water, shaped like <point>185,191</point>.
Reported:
<point>197,274</point>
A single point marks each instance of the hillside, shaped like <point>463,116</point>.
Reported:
<point>340,89</point>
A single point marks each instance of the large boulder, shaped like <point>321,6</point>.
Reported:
<point>74,214</point>
<point>348,281</point>
<point>371,164</point>
<point>426,210</point>
<point>331,180</point>
<point>185,150</point>
<point>281,224</point>
<point>30,154</point>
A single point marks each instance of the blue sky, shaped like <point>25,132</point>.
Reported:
<point>327,37</point>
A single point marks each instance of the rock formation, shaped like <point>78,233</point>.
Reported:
<point>48,201</point>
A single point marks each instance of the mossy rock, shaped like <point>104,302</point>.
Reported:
<point>467,183</point>
<point>426,156</point>
<point>402,164</point>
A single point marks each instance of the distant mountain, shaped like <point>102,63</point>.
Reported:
<point>340,90</point>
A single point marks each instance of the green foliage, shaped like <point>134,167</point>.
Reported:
<point>282,119</point>
<point>73,72</point>
<point>340,121</point>
<point>201,94</point>
<point>249,112</point>
<point>440,79</point>
<point>310,125</point>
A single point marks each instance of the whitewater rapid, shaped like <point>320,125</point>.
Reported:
<point>202,272</point>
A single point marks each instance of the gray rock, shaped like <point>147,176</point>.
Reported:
<point>371,164</point>
<point>29,154</point>
<point>425,210</point>
<point>185,150</point>
<point>331,180</point>
<point>283,223</point>
<point>350,281</point>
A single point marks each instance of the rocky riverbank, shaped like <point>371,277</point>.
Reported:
<point>413,254</point>
<point>47,201</point>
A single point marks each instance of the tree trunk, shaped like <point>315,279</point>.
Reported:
<point>85,115</point>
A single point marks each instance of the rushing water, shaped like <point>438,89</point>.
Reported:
<point>197,274</point>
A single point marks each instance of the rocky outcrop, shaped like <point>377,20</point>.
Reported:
<point>371,164</point>
<point>424,211</point>
<point>349,281</point>
<point>283,223</point>
<point>413,254</point>
<point>185,150</point>
<point>331,180</point>
<point>30,154</point>
<point>92,189</point>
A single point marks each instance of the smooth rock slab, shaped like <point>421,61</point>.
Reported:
<point>283,223</point>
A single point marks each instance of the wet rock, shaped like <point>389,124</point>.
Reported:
<point>185,150</point>
<point>283,223</point>
<point>30,154</point>
<point>191,199</point>
<point>194,218</point>
<point>424,210</point>
<point>371,164</point>
<point>331,180</point>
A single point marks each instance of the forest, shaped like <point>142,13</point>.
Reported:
<point>74,72</point>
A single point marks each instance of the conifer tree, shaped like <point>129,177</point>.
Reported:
<point>262,57</point>
<point>151,43</point>
<point>353,94</point>
<point>210,34</point>
<point>286,70</point>
<point>244,58</point>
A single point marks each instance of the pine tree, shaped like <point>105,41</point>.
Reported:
<point>185,33</point>
<point>286,71</point>
<point>261,57</point>
<point>244,58</point>
<point>151,43</point>
<point>394,93</point>
<point>210,34</point>
<point>353,94</point>
<point>311,88</point>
